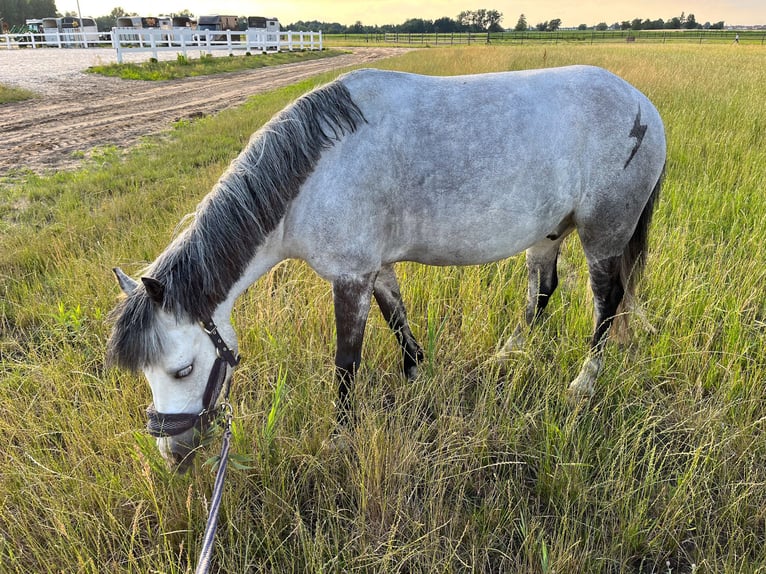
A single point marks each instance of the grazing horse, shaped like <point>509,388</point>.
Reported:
<point>379,167</point>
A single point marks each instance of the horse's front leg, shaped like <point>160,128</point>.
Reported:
<point>542,282</point>
<point>351,297</point>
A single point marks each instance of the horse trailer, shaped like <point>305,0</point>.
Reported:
<point>69,31</point>
<point>268,25</point>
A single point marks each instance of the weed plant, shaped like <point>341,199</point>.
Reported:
<point>467,469</point>
<point>10,94</point>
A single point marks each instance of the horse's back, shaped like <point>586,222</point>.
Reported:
<point>468,169</point>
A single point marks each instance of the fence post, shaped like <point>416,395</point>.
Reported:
<point>183,42</point>
<point>116,44</point>
<point>153,44</point>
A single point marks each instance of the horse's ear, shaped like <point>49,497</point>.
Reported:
<point>154,289</point>
<point>127,284</point>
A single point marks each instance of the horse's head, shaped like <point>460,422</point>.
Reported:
<point>186,362</point>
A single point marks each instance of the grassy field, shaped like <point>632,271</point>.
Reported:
<point>463,470</point>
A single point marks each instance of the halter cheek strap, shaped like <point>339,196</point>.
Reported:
<point>172,424</point>
<point>222,349</point>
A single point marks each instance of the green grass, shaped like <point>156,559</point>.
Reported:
<point>462,470</point>
<point>10,94</point>
<point>699,37</point>
<point>183,67</point>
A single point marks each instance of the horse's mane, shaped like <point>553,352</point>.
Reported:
<point>203,262</point>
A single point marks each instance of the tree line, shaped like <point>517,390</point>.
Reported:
<point>682,22</point>
<point>16,12</point>
<point>481,20</point>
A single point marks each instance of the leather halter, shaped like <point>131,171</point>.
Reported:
<point>172,424</point>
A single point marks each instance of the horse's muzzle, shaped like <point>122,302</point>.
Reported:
<point>178,450</point>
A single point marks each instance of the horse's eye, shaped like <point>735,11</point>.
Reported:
<point>185,372</point>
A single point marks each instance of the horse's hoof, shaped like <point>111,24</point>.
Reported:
<point>513,346</point>
<point>411,373</point>
<point>582,388</point>
<point>340,442</point>
<point>579,392</point>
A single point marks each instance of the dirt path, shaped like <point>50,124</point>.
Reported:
<point>79,111</point>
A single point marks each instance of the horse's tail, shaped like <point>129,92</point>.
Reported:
<point>632,267</point>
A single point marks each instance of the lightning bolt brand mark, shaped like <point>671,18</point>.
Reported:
<point>638,132</point>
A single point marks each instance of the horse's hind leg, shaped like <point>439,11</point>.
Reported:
<point>351,298</point>
<point>389,300</point>
<point>608,292</point>
<point>542,282</point>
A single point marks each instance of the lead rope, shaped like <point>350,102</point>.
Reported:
<point>206,554</point>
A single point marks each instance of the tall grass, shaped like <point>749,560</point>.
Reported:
<point>465,469</point>
<point>10,94</point>
<point>206,65</point>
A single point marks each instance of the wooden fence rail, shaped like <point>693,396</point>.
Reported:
<point>56,39</point>
<point>155,40</point>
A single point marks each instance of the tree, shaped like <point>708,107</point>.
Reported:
<point>106,23</point>
<point>541,26</point>
<point>445,25</point>
<point>602,26</point>
<point>417,26</point>
<point>521,25</point>
<point>674,23</point>
<point>691,22</point>
<point>16,12</point>
<point>40,8</point>
<point>481,20</point>
<point>554,24</point>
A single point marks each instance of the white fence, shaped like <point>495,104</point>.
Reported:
<point>56,39</point>
<point>154,40</point>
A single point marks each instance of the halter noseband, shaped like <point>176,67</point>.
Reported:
<point>166,424</point>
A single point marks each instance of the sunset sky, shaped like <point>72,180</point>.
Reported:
<point>378,12</point>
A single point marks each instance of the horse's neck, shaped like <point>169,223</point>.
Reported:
<point>267,256</point>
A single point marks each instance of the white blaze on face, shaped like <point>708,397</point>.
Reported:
<point>178,381</point>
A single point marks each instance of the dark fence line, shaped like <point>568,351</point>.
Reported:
<point>560,36</point>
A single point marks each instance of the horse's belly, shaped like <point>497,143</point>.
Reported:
<point>468,242</point>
